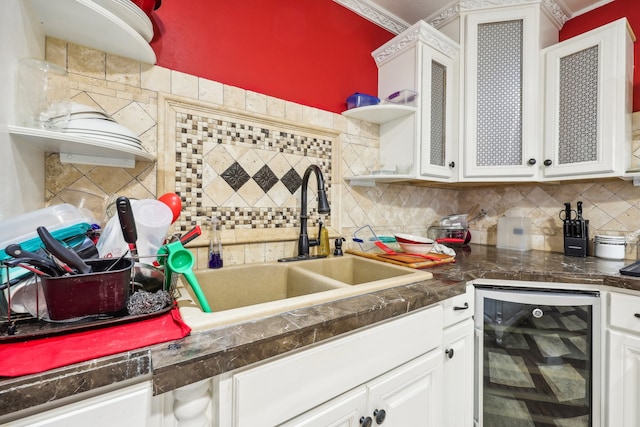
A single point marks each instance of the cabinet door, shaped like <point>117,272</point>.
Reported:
<point>410,395</point>
<point>125,407</point>
<point>588,103</point>
<point>438,142</point>
<point>343,411</point>
<point>458,375</point>
<point>624,379</point>
<point>500,94</point>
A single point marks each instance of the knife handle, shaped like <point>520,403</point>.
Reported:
<point>128,224</point>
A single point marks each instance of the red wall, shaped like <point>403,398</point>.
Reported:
<point>313,52</point>
<point>603,15</point>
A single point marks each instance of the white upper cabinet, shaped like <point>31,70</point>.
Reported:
<point>588,104</point>
<point>501,92</point>
<point>421,144</point>
<point>423,60</point>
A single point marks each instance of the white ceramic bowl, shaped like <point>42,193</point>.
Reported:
<point>410,238</point>
<point>416,248</point>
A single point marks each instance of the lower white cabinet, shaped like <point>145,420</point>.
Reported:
<point>281,390</point>
<point>407,395</point>
<point>129,406</point>
<point>624,361</point>
<point>458,375</point>
<point>413,370</point>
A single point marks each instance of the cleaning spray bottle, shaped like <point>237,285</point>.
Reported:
<point>215,244</point>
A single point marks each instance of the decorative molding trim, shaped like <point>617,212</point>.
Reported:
<point>375,14</point>
<point>419,31</point>
<point>551,7</point>
<point>444,16</point>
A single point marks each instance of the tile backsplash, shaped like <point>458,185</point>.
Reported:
<point>240,155</point>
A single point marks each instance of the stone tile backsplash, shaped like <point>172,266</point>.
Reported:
<point>240,155</point>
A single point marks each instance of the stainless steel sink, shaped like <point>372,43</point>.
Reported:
<point>250,291</point>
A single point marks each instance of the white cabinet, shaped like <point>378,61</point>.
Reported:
<point>344,411</point>
<point>129,406</point>
<point>421,145</point>
<point>624,360</point>
<point>277,391</point>
<point>458,354</point>
<point>588,104</point>
<point>501,92</point>
<point>408,395</point>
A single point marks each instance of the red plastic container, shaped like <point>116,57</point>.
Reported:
<point>99,292</point>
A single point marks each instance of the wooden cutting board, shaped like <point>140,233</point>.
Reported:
<point>404,259</point>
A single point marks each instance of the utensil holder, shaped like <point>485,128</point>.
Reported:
<point>578,246</point>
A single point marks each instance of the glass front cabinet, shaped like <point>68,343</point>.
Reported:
<point>424,145</point>
<point>588,103</point>
<point>501,91</point>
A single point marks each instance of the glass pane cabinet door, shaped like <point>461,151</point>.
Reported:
<point>499,94</point>
<point>588,103</point>
<point>578,113</point>
<point>538,358</point>
<point>500,98</point>
<point>438,148</point>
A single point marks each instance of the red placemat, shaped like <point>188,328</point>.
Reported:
<point>39,355</point>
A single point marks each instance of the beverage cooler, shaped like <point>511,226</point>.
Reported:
<point>537,357</point>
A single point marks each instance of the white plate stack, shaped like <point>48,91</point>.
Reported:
<point>130,14</point>
<point>95,124</point>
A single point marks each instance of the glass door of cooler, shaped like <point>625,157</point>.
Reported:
<point>537,357</point>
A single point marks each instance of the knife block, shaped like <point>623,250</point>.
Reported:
<point>578,246</point>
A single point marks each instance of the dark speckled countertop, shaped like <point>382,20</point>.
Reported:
<point>205,354</point>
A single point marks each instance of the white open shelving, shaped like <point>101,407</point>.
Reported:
<point>80,149</point>
<point>86,23</point>
<point>379,114</point>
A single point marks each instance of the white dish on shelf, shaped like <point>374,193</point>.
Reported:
<point>101,126</point>
<point>131,14</point>
<point>111,140</point>
<point>107,135</point>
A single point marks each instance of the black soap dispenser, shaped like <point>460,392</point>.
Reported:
<point>338,249</point>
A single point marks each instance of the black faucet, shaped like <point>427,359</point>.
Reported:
<point>323,207</point>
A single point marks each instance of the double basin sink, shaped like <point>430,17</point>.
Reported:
<point>250,291</point>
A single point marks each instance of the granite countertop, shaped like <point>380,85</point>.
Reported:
<point>205,354</point>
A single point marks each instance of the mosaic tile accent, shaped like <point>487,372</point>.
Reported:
<point>578,113</point>
<point>499,126</point>
<point>246,172</point>
<point>235,176</point>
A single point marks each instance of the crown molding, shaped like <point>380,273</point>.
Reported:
<point>375,14</point>
<point>551,7</point>
<point>419,31</point>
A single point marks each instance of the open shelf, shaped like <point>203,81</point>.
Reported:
<point>86,23</point>
<point>381,113</point>
<point>80,149</point>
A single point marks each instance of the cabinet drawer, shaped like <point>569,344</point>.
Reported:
<point>458,308</point>
<point>277,391</point>
<point>624,311</point>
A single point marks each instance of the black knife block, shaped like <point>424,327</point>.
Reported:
<point>578,246</point>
